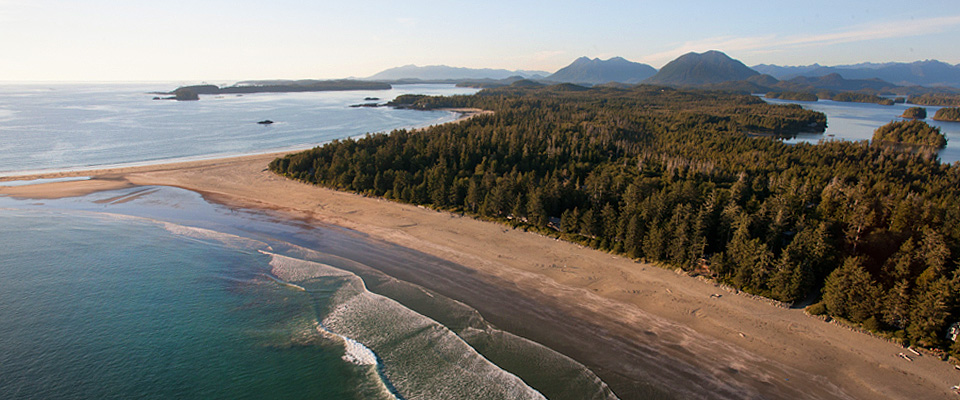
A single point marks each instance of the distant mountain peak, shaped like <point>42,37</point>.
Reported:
<point>696,69</point>
<point>585,70</point>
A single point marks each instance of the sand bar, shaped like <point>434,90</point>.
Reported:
<point>623,319</point>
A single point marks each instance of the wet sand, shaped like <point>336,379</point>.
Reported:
<point>641,328</point>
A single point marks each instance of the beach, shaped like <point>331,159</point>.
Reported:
<point>623,319</point>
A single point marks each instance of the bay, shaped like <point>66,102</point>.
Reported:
<point>857,121</point>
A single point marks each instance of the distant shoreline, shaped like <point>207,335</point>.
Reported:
<point>631,323</point>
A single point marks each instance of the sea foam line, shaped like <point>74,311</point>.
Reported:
<point>354,352</point>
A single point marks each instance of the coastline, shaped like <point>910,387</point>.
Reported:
<point>620,318</point>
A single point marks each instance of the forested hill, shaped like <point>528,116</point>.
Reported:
<point>695,69</point>
<point>674,176</point>
<point>596,71</point>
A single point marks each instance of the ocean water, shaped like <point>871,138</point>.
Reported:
<point>857,121</point>
<point>153,292</point>
<point>76,126</point>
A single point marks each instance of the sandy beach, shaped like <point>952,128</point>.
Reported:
<point>623,319</point>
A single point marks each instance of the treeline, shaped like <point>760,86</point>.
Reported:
<point>856,97</point>
<point>936,99</point>
<point>671,176</point>
<point>948,114</point>
<point>797,96</point>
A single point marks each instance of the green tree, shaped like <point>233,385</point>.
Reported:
<point>850,291</point>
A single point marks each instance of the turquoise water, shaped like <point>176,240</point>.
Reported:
<point>857,121</point>
<point>155,293</point>
<point>71,126</point>
<point>97,306</point>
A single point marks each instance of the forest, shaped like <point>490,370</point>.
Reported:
<point>948,114</point>
<point>856,97</point>
<point>936,99</point>
<point>688,179</point>
<point>797,96</point>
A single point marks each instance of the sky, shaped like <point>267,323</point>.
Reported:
<point>214,40</point>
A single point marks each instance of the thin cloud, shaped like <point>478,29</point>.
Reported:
<point>774,43</point>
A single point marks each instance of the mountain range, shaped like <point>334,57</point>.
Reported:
<point>443,72</point>
<point>922,73</point>
<point>712,69</point>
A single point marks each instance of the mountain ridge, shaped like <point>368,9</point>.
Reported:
<point>917,73</point>
<point>445,72</point>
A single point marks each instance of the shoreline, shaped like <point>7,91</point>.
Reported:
<point>618,317</point>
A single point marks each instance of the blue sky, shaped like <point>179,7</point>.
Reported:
<point>215,40</point>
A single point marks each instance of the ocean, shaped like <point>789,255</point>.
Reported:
<point>154,292</point>
<point>78,126</point>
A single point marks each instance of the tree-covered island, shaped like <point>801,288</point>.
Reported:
<point>951,114</point>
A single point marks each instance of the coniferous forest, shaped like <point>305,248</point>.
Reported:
<point>690,179</point>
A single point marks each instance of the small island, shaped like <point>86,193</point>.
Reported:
<point>914,113</point>
<point>936,99</point>
<point>796,96</point>
<point>910,133</point>
<point>950,114</point>
<point>856,97</point>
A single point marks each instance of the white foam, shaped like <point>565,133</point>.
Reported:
<point>296,270</point>
<point>207,234</point>
<point>354,351</point>
<point>421,357</point>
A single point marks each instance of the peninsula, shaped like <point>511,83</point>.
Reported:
<point>277,86</point>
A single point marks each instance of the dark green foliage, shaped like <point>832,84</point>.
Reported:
<point>915,113</point>
<point>856,97</point>
<point>936,99</point>
<point>913,132</point>
<point>948,114</point>
<point>672,176</point>
<point>797,96</point>
<point>850,292</point>
<point>817,309</point>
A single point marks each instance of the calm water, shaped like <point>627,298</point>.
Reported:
<point>857,121</point>
<point>152,292</point>
<point>61,126</point>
